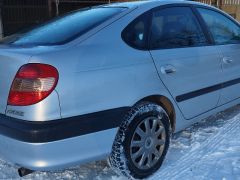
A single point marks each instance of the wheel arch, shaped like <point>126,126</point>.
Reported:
<point>166,104</point>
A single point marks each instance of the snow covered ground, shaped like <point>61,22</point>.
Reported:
<point>207,150</point>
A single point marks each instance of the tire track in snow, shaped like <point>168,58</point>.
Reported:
<point>184,164</point>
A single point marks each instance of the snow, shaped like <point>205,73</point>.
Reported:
<point>207,150</point>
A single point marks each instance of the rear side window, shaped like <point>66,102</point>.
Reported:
<point>224,30</point>
<point>176,27</point>
<point>136,33</point>
<point>65,28</point>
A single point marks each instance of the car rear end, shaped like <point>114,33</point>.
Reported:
<point>33,133</point>
<point>27,91</point>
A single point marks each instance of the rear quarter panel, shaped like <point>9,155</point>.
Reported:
<point>10,61</point>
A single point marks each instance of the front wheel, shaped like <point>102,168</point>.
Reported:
<point>142,141</point>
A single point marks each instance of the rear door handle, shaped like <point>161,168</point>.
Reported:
<point>168,69</point>
<point>227,60</point>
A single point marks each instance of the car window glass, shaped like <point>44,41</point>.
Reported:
<point>175,27</point>
<point>64,28</point>
<point>135,34</point>
<point>224,30</point>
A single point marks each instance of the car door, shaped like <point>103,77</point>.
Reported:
<point>226,34</point>
<point>187,65</point>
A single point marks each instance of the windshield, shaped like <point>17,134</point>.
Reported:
<point>63,29</point>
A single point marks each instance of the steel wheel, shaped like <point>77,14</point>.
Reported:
<point>148,143</point>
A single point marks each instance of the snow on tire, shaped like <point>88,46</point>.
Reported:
<point>142,141</point>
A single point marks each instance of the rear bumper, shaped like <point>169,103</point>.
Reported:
<point>57,144</point>
<point>57,155</point>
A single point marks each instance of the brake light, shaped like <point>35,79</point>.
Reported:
<point>32,84</point>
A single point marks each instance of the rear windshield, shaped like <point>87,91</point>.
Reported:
<point>65,28</point>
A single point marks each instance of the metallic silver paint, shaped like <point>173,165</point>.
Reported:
<point>230,71</point>
<point>47,109</point>
<point>10,61</point>
<point>190,64</point>
<point>98,71</point>
<point>58,154</point>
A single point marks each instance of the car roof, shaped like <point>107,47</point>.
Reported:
<point>152,2</point>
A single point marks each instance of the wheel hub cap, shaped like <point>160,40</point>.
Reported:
<point>148,143</point>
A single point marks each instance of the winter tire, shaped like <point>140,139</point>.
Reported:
<point>142,141</point>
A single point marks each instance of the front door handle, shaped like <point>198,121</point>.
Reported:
<point>168,69</point>
<point>227,60</point>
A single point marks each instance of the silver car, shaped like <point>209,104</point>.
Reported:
<point>114,81</point>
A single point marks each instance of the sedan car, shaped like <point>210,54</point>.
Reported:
<point>114,81</point>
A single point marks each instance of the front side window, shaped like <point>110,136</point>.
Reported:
<point>176,27</point>
<point>65,28</point>
<point>223,30</point>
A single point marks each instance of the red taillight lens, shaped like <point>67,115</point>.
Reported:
<point>32,83</point>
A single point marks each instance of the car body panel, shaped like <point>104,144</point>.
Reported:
<point>105,81</point>
<point>58,154</point>
<point>182,124</point>
<point>47,109</point>
<point>99,71</point>
<point>230,72</point>
<point>10,61</point>
<point>189,77</point>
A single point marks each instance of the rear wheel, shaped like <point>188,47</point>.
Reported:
<point>142,141</point>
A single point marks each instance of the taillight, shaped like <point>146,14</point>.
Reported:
<point>32,83</point>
